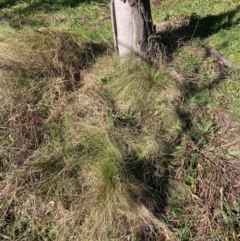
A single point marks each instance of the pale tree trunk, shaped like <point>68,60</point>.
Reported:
<point>133,27</point>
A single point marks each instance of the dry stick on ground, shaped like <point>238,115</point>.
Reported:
<point>215,54</point>
<point>211,52</point>
<point>208,52</point>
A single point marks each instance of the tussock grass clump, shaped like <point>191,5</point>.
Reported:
<point>74,169</point>
<point>89,178</point>
<point>94,149</point>
<point>84,184</point>
<point>108,152</point>
<point>134,84</point>
<point>144,97</point>
<point>43,53</point>
<point>36,69</point>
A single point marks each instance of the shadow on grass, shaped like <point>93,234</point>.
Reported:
<point>172,39</point>
<point>153,175</point>
<point>198,28</point>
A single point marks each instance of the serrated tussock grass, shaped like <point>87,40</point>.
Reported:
<point>134,83</point>
<point>73,164</point>
<point>36,54</point>
<point>92,148</point>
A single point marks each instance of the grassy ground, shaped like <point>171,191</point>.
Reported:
<point>93,149</point>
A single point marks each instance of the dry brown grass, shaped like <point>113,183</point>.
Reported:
<point>73,182</point>
<point>43,53</point>
<point>210,171</point>
<point>110,150</point>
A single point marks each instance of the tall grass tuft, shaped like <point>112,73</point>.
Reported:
<point>36,54</point>
<point>77,169</point>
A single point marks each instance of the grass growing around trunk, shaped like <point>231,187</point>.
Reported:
<point>94,149</point>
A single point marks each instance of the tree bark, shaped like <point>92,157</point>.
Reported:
<point>133,28</point>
